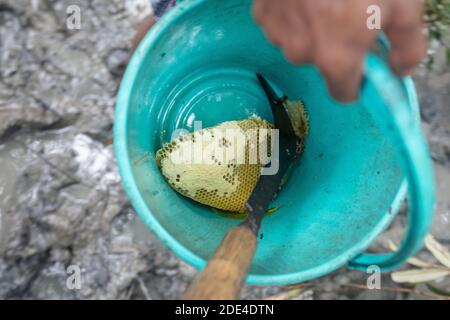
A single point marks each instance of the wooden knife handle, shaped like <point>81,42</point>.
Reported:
<point>225,272</point>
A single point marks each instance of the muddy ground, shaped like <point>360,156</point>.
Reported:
<point>61,200</point>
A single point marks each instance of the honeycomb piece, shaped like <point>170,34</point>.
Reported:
<point>220,166</point>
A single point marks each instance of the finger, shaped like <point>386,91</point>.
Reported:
<point>296,49</point>
<point>143,28</point>
<point>297,43</point>
<point>407,36</point>
<point>342,69</point>
<point>271,17</point>
<point>260,10</point>
<point>405,55</point>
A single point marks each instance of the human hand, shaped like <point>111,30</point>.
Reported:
<point>143,28</point>
<point>333,34</point>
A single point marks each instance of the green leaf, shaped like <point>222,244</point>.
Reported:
<point>447,51</point>
<point>438,291</point>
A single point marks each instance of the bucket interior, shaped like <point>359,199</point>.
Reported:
<point>202,67</point>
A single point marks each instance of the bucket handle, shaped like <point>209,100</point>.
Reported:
<point>384,96</point>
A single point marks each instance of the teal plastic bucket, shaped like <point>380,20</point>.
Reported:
<point>198,63</point>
